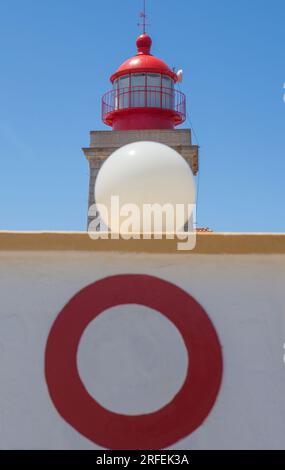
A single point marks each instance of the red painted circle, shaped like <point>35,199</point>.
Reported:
<point>185,413</point>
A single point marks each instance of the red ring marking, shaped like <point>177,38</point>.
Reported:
<point>183,415</point>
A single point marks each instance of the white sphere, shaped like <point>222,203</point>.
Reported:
<point>143,173</point>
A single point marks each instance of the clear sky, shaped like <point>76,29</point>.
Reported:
<point>56,59</point>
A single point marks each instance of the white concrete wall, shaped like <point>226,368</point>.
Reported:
<point>243,296</point>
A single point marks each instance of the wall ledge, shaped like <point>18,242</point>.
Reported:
<point>207,243</point>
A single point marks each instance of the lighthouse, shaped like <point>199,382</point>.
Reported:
<point>143,104</point>
<point>144,95</point>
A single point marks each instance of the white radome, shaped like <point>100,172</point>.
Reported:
<point>143,173</point>
<point>180,76</point>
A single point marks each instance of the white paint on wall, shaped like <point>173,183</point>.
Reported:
<point>132,360</point>
<point>243,296</point>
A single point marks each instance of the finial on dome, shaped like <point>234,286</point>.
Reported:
<point>144,43</point>
<point>143,15</point>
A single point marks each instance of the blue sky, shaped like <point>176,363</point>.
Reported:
<point>56,59</point>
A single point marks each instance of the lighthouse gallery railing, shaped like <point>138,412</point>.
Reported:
<point>144,97</point>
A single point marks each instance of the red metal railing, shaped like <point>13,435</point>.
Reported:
<point>144,97</point>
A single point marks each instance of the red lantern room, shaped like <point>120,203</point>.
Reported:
<point>144,94</point>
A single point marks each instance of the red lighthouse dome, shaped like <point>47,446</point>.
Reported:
<point>143,95</point>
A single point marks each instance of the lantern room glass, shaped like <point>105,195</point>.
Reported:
<point>144,90</point>
<point>167,93</point>
<point>154,90</point>
<point>122,96</point>
<point>138,90</point>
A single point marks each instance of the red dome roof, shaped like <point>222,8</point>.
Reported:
<point>144,61</point>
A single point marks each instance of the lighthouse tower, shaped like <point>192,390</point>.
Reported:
<point>142,105</point>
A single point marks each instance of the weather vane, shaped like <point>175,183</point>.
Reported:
<point>143,17</point>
